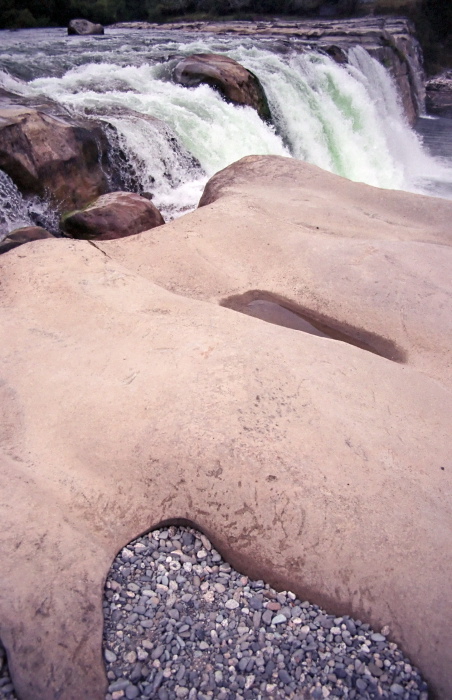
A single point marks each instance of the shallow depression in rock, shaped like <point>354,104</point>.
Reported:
<point>272,312</point>
<point>181,623</point>
<point>282,312</point>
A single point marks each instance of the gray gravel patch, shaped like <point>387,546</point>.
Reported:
<point>181,623</point>
<point>6,687</point>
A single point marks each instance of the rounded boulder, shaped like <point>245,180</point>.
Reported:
<point>113,215</point>
<point>82,27</point>
<point>236,84</point>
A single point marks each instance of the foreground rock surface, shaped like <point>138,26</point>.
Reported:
<point>113,215</point>
<point>47,155</point>
<point>232,80</point>
<point>314,464</point>
<point>82,27</point>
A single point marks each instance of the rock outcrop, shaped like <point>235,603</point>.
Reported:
<point>315,464</point>
<point>113,215</point>
<point>82,27</point>
<point>23,235</point>
<point>439,95</point>
<point>237,84</point>
<point>49,156</point>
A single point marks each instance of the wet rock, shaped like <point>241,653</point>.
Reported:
<point>439,95</point>
<point>232,80</point>
<point>23,235</point>
<point>82,27</point>
<point>50,156</point>
<point>113,215</point>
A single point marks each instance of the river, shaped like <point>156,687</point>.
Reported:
<point>345,119</point>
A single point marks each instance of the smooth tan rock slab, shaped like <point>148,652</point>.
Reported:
<point>317,465</point>
<point>375,264</point>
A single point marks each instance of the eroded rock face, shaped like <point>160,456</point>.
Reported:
<point>82,27</point>
<point>23,235</point>
<point>439,95</point>
<point>236,83</point>
<point>113,215</point>
<point>49,156</point>
<point>317,465</point>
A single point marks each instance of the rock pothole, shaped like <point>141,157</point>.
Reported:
<point>274,309</point>
<point>181,623</point>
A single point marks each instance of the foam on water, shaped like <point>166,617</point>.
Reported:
<point>215,132</point>
<point>419,170</point>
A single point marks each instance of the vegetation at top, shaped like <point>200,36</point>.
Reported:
<point>433,18</point>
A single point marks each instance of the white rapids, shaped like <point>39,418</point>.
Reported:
<point>345,119</point>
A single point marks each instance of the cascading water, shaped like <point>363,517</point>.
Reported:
<point>168,139</point>
<point>149,158</point>
<point>420,172</point>
<point>16,211</point>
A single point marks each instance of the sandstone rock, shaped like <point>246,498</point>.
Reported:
<point>236,83</point>
<point>113,215</point>
<point>46,155</point>
<point>317,465</point>
<point>23,235</point>
<point>82,27</point>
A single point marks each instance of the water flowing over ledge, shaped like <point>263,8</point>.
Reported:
<point>166,139</point>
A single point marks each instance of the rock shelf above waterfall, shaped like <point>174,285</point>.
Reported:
<point>391,40</point>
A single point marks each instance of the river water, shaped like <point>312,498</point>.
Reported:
<point>345,119</point>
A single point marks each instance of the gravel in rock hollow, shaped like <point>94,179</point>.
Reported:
<point>181,623</point>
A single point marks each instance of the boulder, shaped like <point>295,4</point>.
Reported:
<point>82,27</point>
<point>52,157</point>
<point>23,235</point>
<point>237,84</point>
<point>113,215</point>
<point>314,464</point>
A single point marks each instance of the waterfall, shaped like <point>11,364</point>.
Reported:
<point>420,171</point>
<point>167,139</point>
<point>17,211</point>
<point>198,121</point>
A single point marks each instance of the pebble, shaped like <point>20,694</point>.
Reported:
<point>199,630</point>
<point>278,619</point>
<point>377,637</point>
